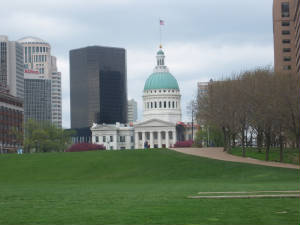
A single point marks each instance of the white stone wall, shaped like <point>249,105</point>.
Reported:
<point>113,137</point>
<point>164,104</point>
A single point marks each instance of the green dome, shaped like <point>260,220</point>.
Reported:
<point>160,52</point>
<point>161,80</point>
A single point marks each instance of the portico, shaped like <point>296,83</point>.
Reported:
<point>158,134</point>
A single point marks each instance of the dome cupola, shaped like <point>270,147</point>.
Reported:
<point>161,78</point>
<point>161,93</point>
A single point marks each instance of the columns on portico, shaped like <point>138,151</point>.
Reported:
<point>136,140</point>
<point>159,139</point>
<point>167,138</point>
<point>151,140</point>
<point>143,138</point>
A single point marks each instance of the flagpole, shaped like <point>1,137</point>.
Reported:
<point>159,34</point>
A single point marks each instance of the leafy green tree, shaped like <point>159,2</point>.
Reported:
<point>46,137</point>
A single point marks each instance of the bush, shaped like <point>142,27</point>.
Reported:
<point>82,147</point>
<point>183,144</point>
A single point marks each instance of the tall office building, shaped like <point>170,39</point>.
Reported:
<point>98,86</point>
<point>40,65</point>
<point>37,98</point>
<point>132,111</point>
<point>286,28</point>
<point>11,67</point>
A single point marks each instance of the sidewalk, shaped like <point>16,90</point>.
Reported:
<point>219,154</point>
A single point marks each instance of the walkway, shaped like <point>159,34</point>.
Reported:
<point>219,154</point>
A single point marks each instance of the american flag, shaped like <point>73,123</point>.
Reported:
<point>161,22</point>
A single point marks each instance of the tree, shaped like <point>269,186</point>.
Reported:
<point>45,137</point>
<point>256,102</point>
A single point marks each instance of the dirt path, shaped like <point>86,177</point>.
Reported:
<point>217,153</point>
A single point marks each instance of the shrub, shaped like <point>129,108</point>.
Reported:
<point>81,147</point>
<point>183,144</point>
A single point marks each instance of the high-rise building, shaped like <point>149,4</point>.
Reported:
<point>39,64</point>
<point>202,88</point>
<point>37,98</point>
<point>132,111</point>
<point>98,86</point>
<point>11,67</point>
<point>286,28</point>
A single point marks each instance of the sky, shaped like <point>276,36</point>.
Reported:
<point>202,40</point>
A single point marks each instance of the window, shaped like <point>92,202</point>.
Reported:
<point>140,136</point>
<point>151,105</point>
<point>111,138</point>
<point>173,105</point>
<point>286,41</point>
<point>155,104</point>
<point>285,9</point>
<point>104,138</point>
<point>287,58</point>
<point>25,54</point>
<point>163,135</point>
<point>165,104</point>
<point>285,23</point>
<point>97,139</point>
<point>131,139</point>
<point>155,135</point>
<point>159,104</point>
<point>169,104</point>
<point>288,67</point>
<point>285,32</point>
<point>122,138</point>
<point>286,50</point>
<point>170,135</point>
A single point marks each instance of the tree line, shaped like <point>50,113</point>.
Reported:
<point>254,108</point>
<point>43,137</point>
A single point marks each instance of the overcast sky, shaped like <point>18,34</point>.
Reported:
<point>201,39</point>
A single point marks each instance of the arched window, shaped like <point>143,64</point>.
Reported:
<point>151,105</point>
<point>176,105</point>
<point>165,104</point>
<point>155,104</point>
<point>147,105</point>
<point>169,104</point>
<point>173,105</point>
<point>159,104</point>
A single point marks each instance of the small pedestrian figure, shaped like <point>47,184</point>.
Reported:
<point>145,145</point>
<point>20,151</point>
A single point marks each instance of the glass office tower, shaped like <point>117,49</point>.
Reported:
<point>98,86</point>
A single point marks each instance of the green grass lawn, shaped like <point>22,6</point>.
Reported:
<point>139,187</point>
<point>289,156</point>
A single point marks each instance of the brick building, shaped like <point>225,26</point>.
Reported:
<point>11,118</point>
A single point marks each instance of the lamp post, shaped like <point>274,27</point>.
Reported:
<point>192,123</point>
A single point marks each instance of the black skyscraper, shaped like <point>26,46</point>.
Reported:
<point>98,86</point>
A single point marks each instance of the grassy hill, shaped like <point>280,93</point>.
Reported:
<point>138,187</point>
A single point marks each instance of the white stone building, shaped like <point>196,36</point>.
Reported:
<point>113,136</point>
<point>162,112</point>
<point>162,108</point>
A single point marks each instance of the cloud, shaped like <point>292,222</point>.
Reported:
<point>202,39</point>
